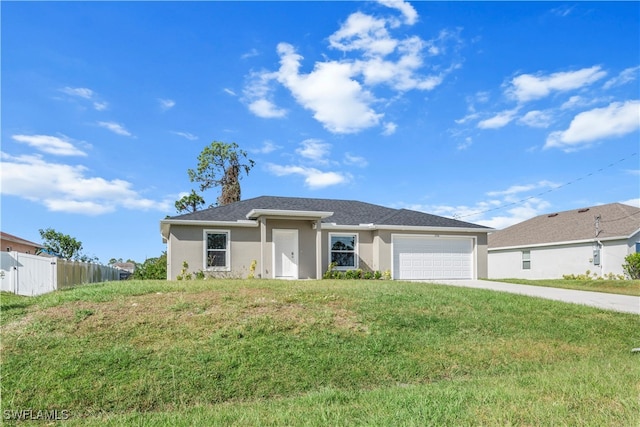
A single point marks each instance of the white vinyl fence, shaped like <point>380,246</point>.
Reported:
<point>26,274</point>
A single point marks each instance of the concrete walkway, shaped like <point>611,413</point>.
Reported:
<point>615,302</point>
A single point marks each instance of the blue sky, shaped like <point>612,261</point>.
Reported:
<point>491,112</point>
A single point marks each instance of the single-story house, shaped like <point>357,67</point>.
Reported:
<point>11,243</point>
<point>596,238</point>
<point>298,238</point>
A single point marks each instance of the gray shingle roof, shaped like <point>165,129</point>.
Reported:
<point>345,212</point>
<point>616,220</point>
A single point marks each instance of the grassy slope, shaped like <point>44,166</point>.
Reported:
<point>316,352</point>
<point>623,287</point>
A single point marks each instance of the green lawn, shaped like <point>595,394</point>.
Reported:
<point>624,287</point>
<point>261,352</point>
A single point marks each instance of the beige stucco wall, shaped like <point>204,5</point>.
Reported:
<point>186,243</point>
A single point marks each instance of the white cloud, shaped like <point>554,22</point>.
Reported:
<point>229,91</point>
<point>313,178</point>
<point>486,212</point>
<point>115,128</point>
<point>617,119</point>
<point>516,189</point>
<point>67,188</point>
<point>562,11</point>
<point>81,92</point>
<point>85,93</point>
<point>537,119</point>
<point>166,104</point>
<point>314,149</point>
<point>50,144</point>
<point>258,94</point>
<point>528,87</point>
<point>468,141</point>
<point>266,109</point>
<point>350,159</point>
<point>338,101</point>
<point>389,128</point>
<point>632,202</point>
<point>409,13</point>
<point>266,148</point>
<point>340,93</point>
<point>499,120</point>
<point>186,135</point>
<point>573,102</point>
<point>626,76</point>
<point>522,212</point>
<point>363,32</point>
<point>250,54</point>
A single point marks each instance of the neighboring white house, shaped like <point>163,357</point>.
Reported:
<point>596,239</point>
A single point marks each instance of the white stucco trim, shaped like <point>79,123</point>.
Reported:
<point>255,213</point>
<point>356,249</point>
<point>552,244</point>
<point>227,250</point>
<point>423,229</point>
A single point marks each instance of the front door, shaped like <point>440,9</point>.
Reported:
<point>285,254</point>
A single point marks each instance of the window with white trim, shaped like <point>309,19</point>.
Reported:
<point>343,250</point>
<point>526,260</point>
<point>217,250</point>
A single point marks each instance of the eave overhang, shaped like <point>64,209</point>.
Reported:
<point>290,214</point>
<point>166,224</point>
<point>564,243</point>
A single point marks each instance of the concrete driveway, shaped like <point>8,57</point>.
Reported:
<point>622,303</point>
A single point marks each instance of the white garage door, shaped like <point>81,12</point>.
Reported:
<point>419,258</point>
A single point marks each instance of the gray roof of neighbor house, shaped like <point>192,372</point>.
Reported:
<point>345,212</point>
<point>616,221</point>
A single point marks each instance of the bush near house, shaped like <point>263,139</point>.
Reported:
<point>632,265</point>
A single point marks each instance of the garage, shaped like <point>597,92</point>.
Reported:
<point>425,258</point>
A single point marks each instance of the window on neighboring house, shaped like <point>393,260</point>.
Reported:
<point>343,250</point>
<point>526,260</point>
<point>217,252</point>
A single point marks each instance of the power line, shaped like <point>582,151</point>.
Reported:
<point>610,165</point>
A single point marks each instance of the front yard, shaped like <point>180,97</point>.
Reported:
<point>262,352</point>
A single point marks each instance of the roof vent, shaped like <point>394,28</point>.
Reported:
<point>552,215</point>
<point>583,210</point>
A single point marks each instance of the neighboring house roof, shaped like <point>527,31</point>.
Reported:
<point>126,266</point>
<point>616,221</point>
<point>339,212</point>
<point>11,238</point>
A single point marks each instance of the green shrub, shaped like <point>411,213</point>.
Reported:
<point>151,269</point>
<point>631,266</point>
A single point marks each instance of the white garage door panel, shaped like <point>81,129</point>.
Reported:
<point>417,258</point>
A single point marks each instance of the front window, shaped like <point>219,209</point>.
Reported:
<point>526,260</point>
<point>217,250</point>
<point>343,250</point>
